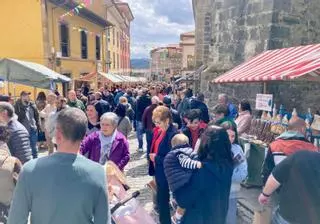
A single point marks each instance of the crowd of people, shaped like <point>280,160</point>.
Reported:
<point>194,156</point>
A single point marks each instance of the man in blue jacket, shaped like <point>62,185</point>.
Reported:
<point>232,109</point>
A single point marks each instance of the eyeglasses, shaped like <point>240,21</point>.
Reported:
<point>157,122</point>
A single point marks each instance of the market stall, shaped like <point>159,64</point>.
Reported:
<point>29,73</point>
<point>295,63</point>
<point>21,75</point>
<point>288,64</point>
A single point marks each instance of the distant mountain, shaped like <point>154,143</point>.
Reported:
<point>140,63</point>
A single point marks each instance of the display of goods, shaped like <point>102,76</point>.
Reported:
<point>316,123</point>
<point>278,128</point>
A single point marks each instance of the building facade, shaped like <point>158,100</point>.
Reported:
<point>68,36</point>
<point>165,62</point>
<point>187,44</point>
<point>119,14</point>
<point>142,72</point>
<point>230,32</point>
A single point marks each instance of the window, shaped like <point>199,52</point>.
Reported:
<point>118,62</point>
<point>84,45</point>
<point>108,56</point>
<point>114,61</point>
<point>98,48</point>
<point>190,62</point>
<point>64,40</point>
<point>108,35</point>
<point>118,40</point>
<point>113,36</point>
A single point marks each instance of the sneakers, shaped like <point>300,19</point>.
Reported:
<point>174,220</point>
<point>140,149</point>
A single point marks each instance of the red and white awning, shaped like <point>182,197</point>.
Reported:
<point>281,64</point>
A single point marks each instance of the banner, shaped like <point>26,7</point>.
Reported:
<point>264,102</point>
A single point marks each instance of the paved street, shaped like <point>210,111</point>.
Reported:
<point>137,174</point>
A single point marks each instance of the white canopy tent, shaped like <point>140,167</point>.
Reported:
<point>29,73</point>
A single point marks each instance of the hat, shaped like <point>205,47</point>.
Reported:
<point>4,98</point>
<point>167,100</point>
<point>25,93</point>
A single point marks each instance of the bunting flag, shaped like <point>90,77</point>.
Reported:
<point>79,29</point>
<point>76,10</point>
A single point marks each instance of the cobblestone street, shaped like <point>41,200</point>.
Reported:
<point>136,173</point>
<point>137,177</point>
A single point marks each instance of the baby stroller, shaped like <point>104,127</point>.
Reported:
<point>125,208</point>
<point>4,212</point>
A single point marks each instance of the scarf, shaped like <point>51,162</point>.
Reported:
<point>106,145</point>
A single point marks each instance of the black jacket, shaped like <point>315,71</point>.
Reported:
<point>102,107</point>
<point>110,99</point>
<point>176,117</point>
<point>178,176</point>
<point>142,103</point>
<point>184,106</point>
<point>163,150</point>
<point>196,104</point>
<point>20,110</point>
<point>19,143</point>
<point>206,196</point>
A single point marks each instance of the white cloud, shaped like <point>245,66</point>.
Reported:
<point>155,26</point>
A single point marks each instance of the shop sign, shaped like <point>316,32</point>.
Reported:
<point>264,102</point>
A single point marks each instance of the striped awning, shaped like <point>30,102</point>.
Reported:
<point>111,77</point>
<point>301,62</point>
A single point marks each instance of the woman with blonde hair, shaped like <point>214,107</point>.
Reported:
<point>160,147</point>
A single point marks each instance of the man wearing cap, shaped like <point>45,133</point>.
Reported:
<point>28,115</point>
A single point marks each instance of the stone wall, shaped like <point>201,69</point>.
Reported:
<point>299,95</point>
<point>243,28</point>
<point>203,11</point>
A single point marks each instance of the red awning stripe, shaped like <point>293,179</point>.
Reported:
<point>280,64</point>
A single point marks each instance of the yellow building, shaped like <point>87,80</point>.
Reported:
<point>120,15</point>
<point>67,36</point>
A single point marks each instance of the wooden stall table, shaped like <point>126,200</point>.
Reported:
<point>255,154</point>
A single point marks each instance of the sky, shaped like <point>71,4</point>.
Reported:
<point>158,23</point>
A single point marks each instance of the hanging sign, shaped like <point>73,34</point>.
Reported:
<point>264,102</point>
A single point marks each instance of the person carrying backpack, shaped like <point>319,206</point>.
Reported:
<point>9,169</point>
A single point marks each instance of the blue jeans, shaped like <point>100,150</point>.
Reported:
<point>140,134</point>
<point>33,142</point>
